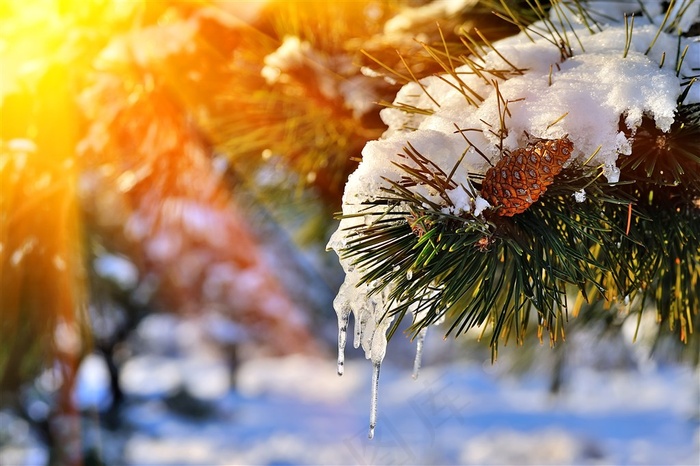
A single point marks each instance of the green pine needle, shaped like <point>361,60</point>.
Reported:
<point>633,243</point>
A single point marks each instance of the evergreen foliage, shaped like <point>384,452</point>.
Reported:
<point>632,245</point>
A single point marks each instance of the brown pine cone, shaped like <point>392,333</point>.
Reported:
<point>519,178</point>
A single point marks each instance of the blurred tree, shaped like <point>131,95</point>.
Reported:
<point>43,298</point>
<point>156,196</point>
<point>99,124</point>
<point>122,106</point>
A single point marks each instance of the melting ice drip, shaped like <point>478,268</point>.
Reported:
<point>371,325</point>
<point>419,352</point>
<point>370,331</point>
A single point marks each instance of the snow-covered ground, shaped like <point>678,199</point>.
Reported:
<point>298,411</point>
<point>186,407</point>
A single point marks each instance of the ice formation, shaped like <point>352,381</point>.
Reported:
<point>549,96</point>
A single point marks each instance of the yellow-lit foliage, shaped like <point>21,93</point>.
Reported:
<point>44,51</point>
<point>304,117</point>
<point>115,93</point>
<point>42,294</point>
<point>153,194</point>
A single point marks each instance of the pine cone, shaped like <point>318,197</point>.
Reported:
<point>519,178</point>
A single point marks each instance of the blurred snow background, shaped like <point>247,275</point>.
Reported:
<point>184,405</point>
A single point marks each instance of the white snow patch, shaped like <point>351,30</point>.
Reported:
<point>150,376</point>
<point>410,17</point>
<point>119,269</point>
<point>206,378</point>
<point>336,77</point>
<point>453,414</point>
<point>294,376</point>
<point>553,447</point>
<point>92,387</point>
<point>480,205</point>
<point>291,54</point>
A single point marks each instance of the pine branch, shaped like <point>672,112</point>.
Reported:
<point>632,242</point>
<point>476,270</point>
<point>668,159</point>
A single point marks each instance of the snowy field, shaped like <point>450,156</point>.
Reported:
<point>183,409</point>
<point>298,411</point>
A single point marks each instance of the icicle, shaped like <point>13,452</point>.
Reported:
<point>373,402</point>
<point>343,318</point>
<point>360,322</point>
<point>419,352</point>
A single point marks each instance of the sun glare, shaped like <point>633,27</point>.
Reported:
<point>41,253</point>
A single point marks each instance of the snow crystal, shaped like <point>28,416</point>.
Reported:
<point>480,205</point>
<point>580,195</point>
<point>549,95</point>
